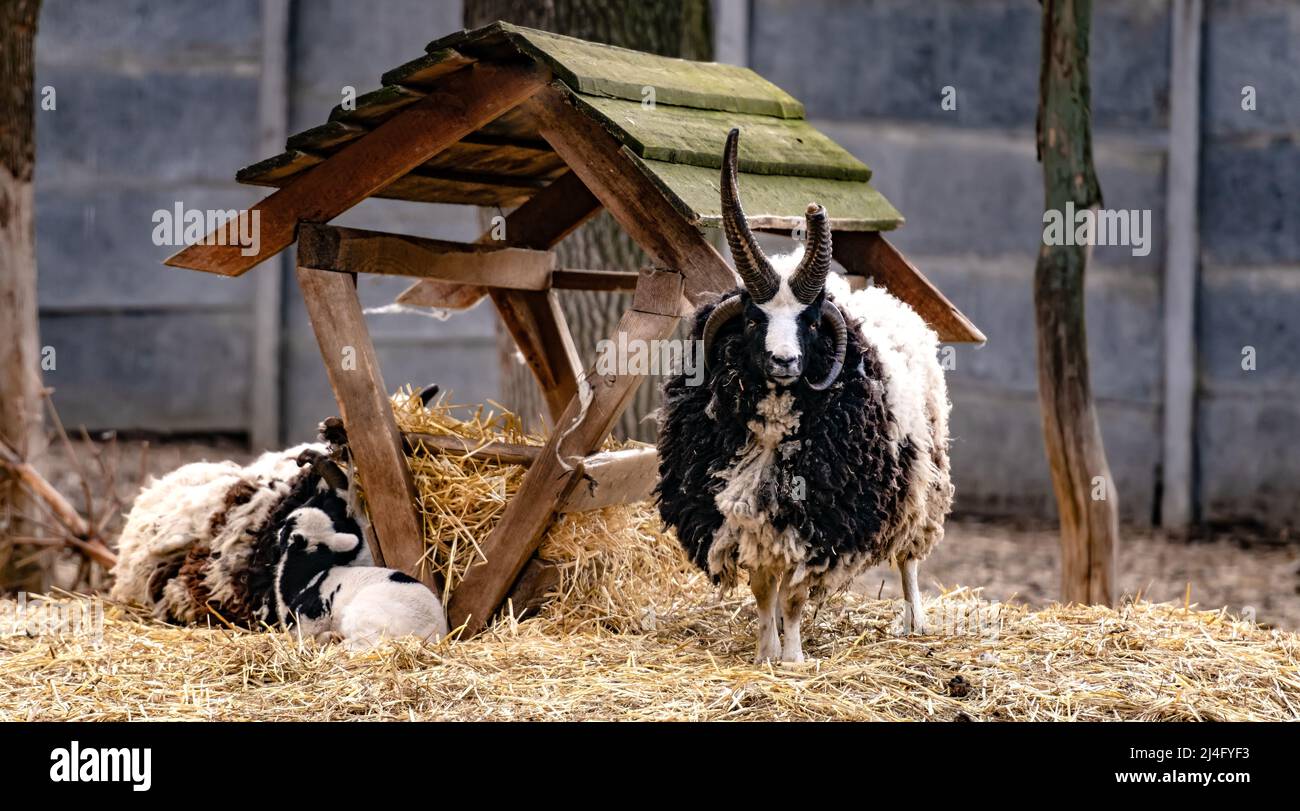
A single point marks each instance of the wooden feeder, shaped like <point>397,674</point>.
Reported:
<point>558,128</point>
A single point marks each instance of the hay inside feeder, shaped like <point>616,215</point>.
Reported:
<point>616,565</point>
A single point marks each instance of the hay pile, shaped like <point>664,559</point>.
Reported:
<point>638,633</point>
<point>1152,662</point>
<point>615,567</point>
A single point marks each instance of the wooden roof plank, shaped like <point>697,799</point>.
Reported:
<point>424,72</point>
<point>370,109</point>
<point>327,137</point>
<point>605,70</point>
<point>464,101</point>
<point>639,206</point>
<point>773,201</point>
<point>770,146</point>
<point>872,255</point>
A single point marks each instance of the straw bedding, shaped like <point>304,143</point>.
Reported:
<point>637,633</point>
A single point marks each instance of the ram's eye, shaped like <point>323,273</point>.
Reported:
<point>752,323</point>
<point>813,326</point>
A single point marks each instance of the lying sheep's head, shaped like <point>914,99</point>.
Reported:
<point>782,315</point>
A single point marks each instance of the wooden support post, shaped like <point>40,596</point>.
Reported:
<point>547,485</point>
<point>868,253</point>
<point>375,442</point>
<point>460,103</point>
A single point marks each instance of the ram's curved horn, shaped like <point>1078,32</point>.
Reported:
<point>832,316</point>
<point>809,278</point>
<point>760,279</point>
<point>726,310</point>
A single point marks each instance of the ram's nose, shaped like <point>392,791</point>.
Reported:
<point>783,368</point>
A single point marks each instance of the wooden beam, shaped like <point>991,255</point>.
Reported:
<point>449,295</point>
<point>460,103</point>
<point>602,280</point>
<point>1178,496</point>
<point>613,176</point>
<point>375,443</point>
<point>352,250</point>
<point>538,579</point>
<point>548,483</point>
<point>614,477</point>
<point>533,318</point>
<point>868,253</point>
<point>541,223</point>
<point>506,453</point>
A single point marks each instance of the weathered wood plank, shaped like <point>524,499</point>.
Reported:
<point>602,280</point>
<point>614,477</point>
<point>507,453</point>
<point>536,322</point>
<point>541,223</point>
<point>353,250</point>
<point>423,73</point>
<point>638,205</point>
<point>870,254</point>
<point>772,201</point>
<point>534,319</point>
<point>538,579</point>
<point>548,483</point>
<point>450,296</point>
<point>462,102</point>
<point>770,146</point>
<point>605,70</point>
<point>369,109</point>
<point>373,438</point>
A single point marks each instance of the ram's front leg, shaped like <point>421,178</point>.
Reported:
<point>764,584</point>
<point>793,598</point>
<point>913,608</point>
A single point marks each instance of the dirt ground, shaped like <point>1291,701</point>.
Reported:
<point>1008,560</point>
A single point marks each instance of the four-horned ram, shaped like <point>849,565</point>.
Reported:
<point>817,445</point>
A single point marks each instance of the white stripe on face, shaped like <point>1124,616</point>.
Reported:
<point>782,313</point>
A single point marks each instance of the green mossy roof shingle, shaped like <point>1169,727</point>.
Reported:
<point>677,140</point>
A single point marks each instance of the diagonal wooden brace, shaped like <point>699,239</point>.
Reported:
<point>373,437</point>
<point>549,482</point>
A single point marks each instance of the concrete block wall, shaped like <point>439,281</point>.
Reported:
<point>1250,264</point>
<point>154,104</point>
<point>970,186</point>
<point>157,103</point>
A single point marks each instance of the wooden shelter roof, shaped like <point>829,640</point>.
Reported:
<point>676,141</point>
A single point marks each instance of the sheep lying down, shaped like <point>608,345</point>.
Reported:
<point>274,543</point>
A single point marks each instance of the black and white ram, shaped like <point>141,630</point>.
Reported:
<point>817,444</point>
<point>273,543</point>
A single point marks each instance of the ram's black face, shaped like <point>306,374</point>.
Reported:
<point>780,336</point>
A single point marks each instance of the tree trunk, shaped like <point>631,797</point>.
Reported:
<point>20,382</point>
<point>672,28</point>
<point>1085,492</point>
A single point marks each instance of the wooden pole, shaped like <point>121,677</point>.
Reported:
<point>1085,491</point>
<point>20,376</point>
